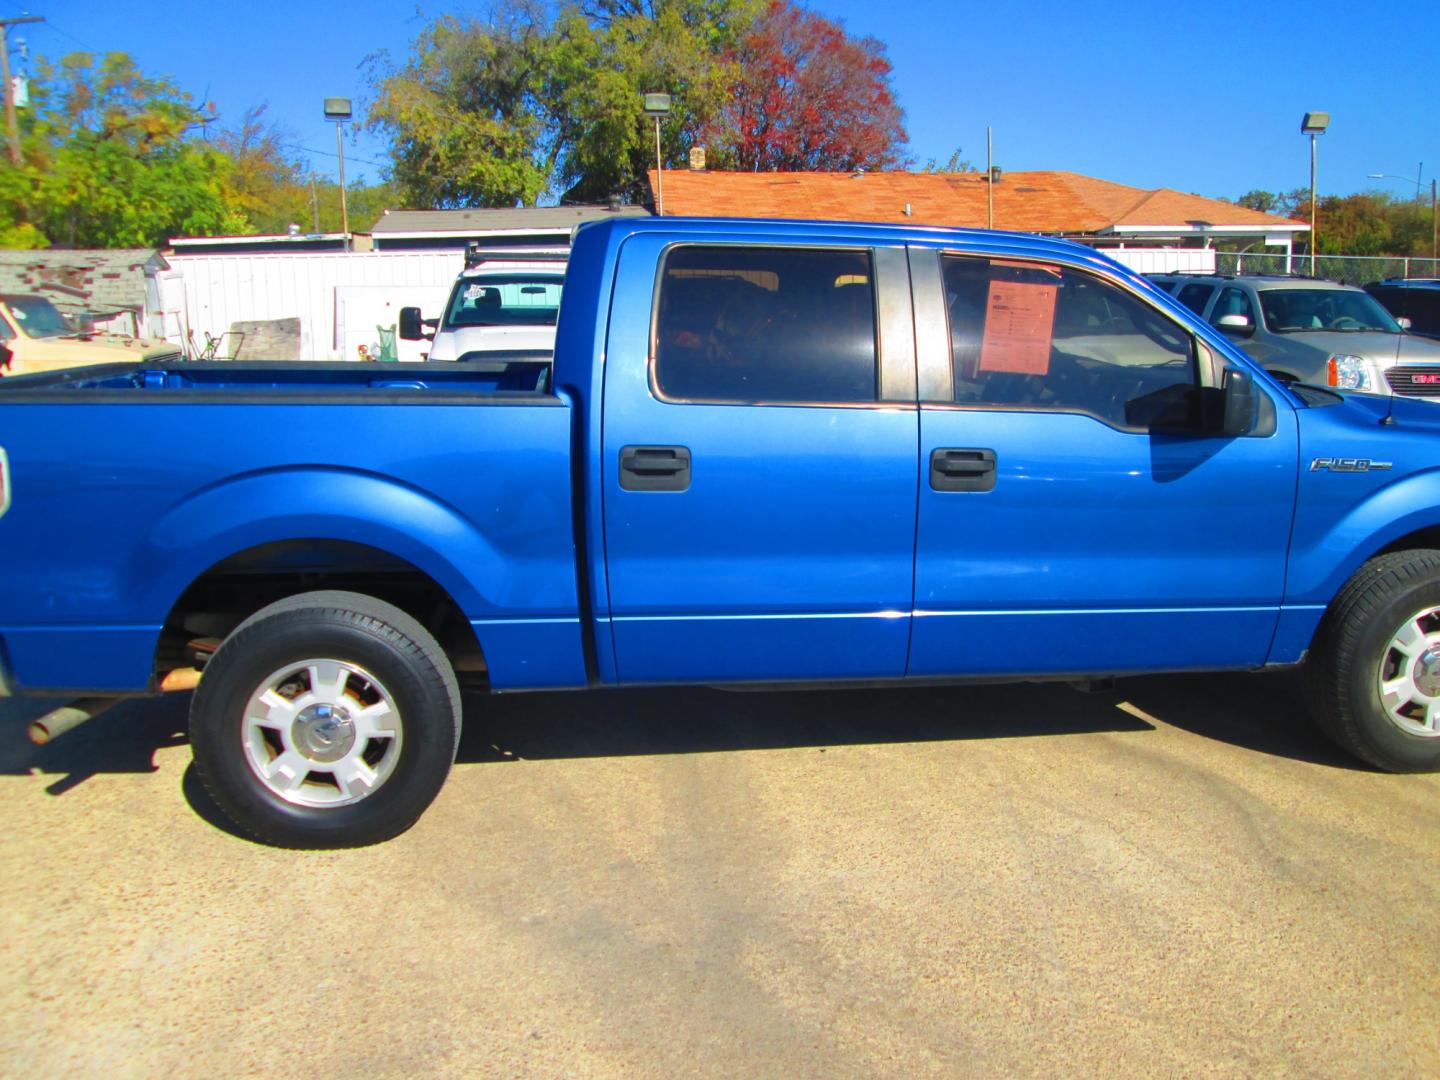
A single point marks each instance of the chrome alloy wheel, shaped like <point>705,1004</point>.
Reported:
<point>1410,675</point>
<point>322,733</point>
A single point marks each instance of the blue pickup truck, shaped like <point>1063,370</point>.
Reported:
<point>764,452</point>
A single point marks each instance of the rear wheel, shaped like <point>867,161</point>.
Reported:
<point>329,719</point>
<point>1374,670</point>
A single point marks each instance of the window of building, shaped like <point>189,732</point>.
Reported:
<point>766,324</point>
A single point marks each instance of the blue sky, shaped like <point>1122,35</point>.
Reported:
<point>1199,97</point>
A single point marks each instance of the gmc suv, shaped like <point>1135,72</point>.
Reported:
<point>1304,330</point>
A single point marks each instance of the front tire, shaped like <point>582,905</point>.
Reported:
<point>1373,674</point>
<point>329,719</point>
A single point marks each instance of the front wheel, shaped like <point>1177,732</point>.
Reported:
<point>1374,670</point>
<point>329,719</point>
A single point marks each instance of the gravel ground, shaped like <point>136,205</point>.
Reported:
<point>1179,878</point>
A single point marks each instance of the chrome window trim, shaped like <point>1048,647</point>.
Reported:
<point>895,345</point>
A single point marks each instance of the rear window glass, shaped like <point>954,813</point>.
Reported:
<point>518,299</point>
<point>756,324</point>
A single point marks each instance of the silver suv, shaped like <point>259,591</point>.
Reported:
<point>1303,330</point>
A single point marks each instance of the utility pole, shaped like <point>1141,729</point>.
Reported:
<point>989,180</point>
<point>1434,231</point>
<point>314,206</point>
<point>12,125</point>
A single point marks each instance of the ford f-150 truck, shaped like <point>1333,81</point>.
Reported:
<point>765,452</point>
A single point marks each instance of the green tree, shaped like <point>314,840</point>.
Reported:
<point>109,160</point>
<point>272,186</point>
<point>464,115</point>
<point>528,103</point>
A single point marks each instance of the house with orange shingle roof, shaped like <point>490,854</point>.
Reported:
<point>1096,212</point>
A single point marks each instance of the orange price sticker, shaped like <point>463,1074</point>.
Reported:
<point>1019,323</point>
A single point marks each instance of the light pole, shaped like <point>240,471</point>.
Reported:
<point>658,106</point>
<point>1313,124</point>
<point>338,110</point>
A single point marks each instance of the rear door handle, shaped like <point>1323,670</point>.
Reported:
<point>953,469</point>
<point>654,468</point>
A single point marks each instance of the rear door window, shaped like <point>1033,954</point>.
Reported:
<point>764,324</point>
<point>1195,296</point>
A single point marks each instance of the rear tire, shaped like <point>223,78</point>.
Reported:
<point>329,719</point>
<point>1373,675</point>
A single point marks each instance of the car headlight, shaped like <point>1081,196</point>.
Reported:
<point>1348,372</point>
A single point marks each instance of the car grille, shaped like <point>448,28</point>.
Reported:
<point>1415,381</point>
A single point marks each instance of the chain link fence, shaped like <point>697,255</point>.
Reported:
<point>1349,269</point>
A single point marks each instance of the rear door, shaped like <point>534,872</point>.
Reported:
<point>1073,519</point>
<point>759,460</point>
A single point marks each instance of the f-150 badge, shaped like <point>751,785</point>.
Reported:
<point>1347,464</point>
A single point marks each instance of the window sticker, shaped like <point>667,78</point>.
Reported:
<point>1019,322</point>
<point>474,292</point>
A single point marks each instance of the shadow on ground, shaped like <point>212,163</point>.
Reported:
<point>1264,713</point>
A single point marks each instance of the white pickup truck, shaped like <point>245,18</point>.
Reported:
<point>501,302</point>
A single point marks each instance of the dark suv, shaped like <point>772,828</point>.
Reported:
<point>1415,299</point>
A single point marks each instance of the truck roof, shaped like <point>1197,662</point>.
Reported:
<point>997,241</point>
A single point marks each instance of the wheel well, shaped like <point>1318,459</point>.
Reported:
<point>1428,537</point>
<point>234,589</point>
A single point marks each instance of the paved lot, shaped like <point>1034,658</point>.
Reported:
<point>1178,879</point>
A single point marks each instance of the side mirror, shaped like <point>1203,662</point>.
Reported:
<point>1240,402</point>
<point>410,328</point>
<point>1404,322</point>
<point>1239,325</point>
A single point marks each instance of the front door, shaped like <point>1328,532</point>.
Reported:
<point>1060,530</point>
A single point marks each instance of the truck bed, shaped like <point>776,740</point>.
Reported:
<point>123,493</point>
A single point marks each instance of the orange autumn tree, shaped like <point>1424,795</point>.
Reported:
<point>807,97</point>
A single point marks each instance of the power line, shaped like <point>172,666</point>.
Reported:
<point>65,33</point>
<point>327,153</point>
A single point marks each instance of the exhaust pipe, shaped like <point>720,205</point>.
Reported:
<point>56,723</point>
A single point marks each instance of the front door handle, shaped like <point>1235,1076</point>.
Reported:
<point>954,469</point>
<point>655,468</point>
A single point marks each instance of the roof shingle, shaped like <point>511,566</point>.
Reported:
<point>1041,202</point>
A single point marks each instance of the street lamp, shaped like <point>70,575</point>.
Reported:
<point>1313,124</point>
<point>658,106</point>
<point>1434,220</point>
<point>337,109</point>
<point>1391,176</point>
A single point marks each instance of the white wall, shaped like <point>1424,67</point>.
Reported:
<point>1165,260</point>
<point>222,289</point>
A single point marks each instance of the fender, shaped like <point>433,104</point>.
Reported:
<point>1332,540</point>
<point>323,503</point>
<point>511,598</point>
<point>1327,553</point>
